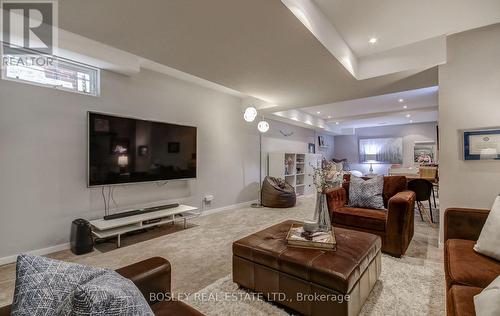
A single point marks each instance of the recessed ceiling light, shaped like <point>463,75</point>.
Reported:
<point>408,115</point>
<point>337,123</point>
<point>401,100</point>
<point>373,40</point>
<point>411,121</point>
<point>329,116</point>
<point>405,106</point>
<point>318,112</point>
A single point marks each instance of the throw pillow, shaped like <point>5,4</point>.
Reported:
<point>487,303</point>
<point>488,243</point>
<point>109,294</point>
<point>366,193</point>
<point>47,287</point>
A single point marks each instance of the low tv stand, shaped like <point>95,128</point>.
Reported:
<point>102,228</point>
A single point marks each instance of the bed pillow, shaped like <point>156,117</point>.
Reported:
<point>488,243</point>
<point>366,193</point>
<point>487,302</point>
<point>51,287</point>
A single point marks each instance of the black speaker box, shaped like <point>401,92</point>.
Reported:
<point>81,237</point>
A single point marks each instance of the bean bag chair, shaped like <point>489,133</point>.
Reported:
<point>277,193</point>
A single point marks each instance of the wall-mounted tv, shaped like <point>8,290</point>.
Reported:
<point>127,150</point>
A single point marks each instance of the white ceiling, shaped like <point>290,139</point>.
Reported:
<point>407,107</point>
<point>410,34</point>
<point>256,47</point>
<point>413,99</point>
<point>389,119</point>
<point>397,23</point>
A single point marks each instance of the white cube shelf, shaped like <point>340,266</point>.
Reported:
<point>295,168</point>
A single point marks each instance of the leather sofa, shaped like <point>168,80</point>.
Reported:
<point>467,272</point>
<point>150,276</point>
<point>395,226</point>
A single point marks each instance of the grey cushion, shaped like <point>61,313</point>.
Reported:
<point>50,287</point>
<point>366,193</point>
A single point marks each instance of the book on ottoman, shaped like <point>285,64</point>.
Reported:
<point>298,237</point>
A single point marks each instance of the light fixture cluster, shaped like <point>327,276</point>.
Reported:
<point>408,115</point>
<point>250,115</point>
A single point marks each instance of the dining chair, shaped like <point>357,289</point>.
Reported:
<point>423,189</point>
<point>430,173</point>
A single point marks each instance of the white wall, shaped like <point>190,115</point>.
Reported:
<point>347,146</point>
<point>469,98</point>
<point>43,153</point>
<point>275,141</point>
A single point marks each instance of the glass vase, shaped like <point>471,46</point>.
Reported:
<point>321,213</point>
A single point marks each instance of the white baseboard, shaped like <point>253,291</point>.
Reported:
<point>38,252</point>
<point>228,207</point>
<point>48,250</point>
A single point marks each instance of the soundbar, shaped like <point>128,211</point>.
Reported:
<point>143,211</point>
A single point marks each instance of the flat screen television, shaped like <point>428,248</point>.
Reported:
<point>126,150</point>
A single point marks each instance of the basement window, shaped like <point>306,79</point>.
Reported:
<point>51,72</point>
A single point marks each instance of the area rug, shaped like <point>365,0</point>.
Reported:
<point>404,288</point>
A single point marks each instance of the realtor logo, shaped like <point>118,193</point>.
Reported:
<point>29,25</point>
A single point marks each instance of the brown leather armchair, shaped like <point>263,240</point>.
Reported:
<point>150,276</point>
<point>395,226</point>
<point>467,272</point>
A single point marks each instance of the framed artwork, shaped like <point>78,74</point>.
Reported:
<point>381,150</point>
<point>143,150</point>
<point>321,141</point>
<point>174,147</point>
<point>482,144</point>
<point>424,152</point>
<point>311,148</point>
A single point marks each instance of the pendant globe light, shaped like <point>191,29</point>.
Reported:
<point>263,126</point>
<point>250,114</point>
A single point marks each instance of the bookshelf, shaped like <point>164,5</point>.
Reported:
<point>295,168</point>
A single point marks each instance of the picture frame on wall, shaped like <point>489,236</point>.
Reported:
<point>381,150</point>
<point>321,141</point>
<point>311,148</point>
<point>424,152</point>
<point>481,144</point>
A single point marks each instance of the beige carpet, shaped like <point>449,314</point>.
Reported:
<point>403,289</point>
<point>201,255</point>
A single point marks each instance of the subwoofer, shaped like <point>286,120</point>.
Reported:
<point>81,237</point>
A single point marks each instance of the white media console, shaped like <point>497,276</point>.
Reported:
<point>116,227</point>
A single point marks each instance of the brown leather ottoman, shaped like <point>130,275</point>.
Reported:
<point>309,281</point>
